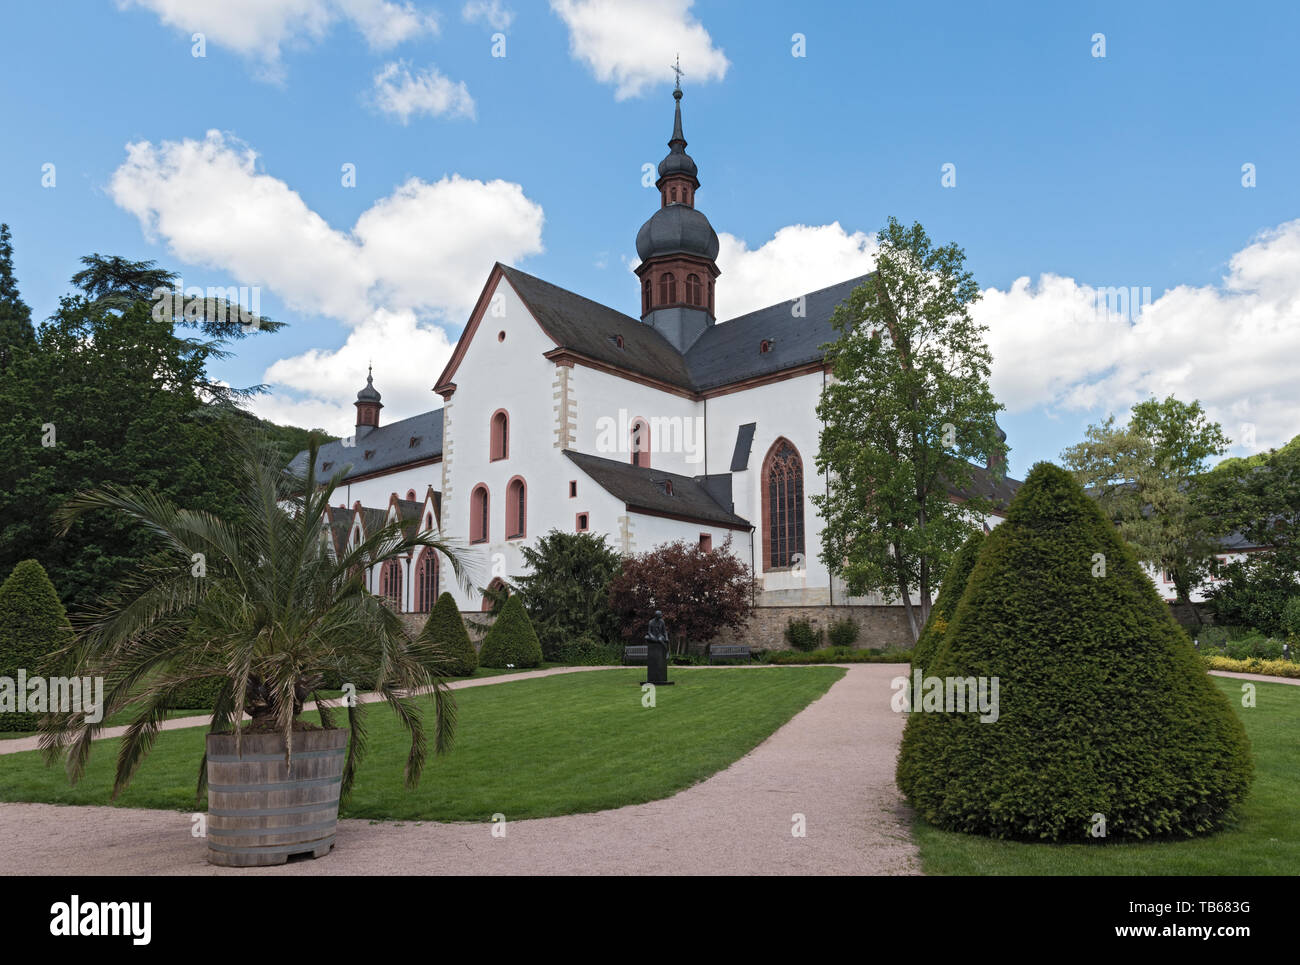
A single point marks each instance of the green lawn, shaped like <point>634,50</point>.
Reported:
<point>554,745</point>
<point>1265,841</point>
<point>126,715</point>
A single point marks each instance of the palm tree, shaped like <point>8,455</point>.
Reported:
<point>260,603</point>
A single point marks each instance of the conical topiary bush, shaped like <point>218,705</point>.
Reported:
<point>33,625</point>
<point>511,641</point>
<point>445,629</point>
<point>1106,719</point>
<point>950,591</point>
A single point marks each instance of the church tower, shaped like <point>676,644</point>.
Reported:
<point>368,406</point>
<point>678,248</point>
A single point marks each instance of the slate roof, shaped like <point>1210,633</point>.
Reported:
<point>729,351</point>
<point>590,328</point>
<point>340,525</point>
<point>390,444</point>
<point>643,489</point>
<point>997,491</point>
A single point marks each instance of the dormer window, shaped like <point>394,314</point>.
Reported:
<point>765,346</point>
<point>325,466</point>
<point>668,487</point>
<point>369,453</point>
<point>616,341</point>
<point>415,441</point>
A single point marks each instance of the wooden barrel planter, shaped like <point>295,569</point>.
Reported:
<point>259,811</point>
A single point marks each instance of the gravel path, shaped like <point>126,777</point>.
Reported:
<point>833,764</point>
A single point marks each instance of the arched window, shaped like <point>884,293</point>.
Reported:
<point>426,581</point>
<point>710,297</point>
<point>639,443</point>
<point>410,495</point>
<point>694,293</point>
<point>516,508</point>
<point>673,191</point>
<point>667,288</point>
<point>645,296</point>
<point>782,506</point>
<point>497,585</point>
<point>499,446</point>
<point>478,514</point>
<point>390,582</point>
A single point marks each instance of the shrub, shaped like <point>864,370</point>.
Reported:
<point>566,591</point>
<point>1254,645</point>
<point>511,640</point>
<point>1272,668</point>
<point>1254,592</point>
<point>833,655</point>
<point>33,625</point>
<point>700,592</point>
<point>1103,707</point>
<point>1290,623</point>
<point>588,651</point>
<point>801,635</point>
<point>446,631</point>
<point>842,633</point>
<point>950,591</point>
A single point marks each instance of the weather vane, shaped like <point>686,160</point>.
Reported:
<point>677,69</point>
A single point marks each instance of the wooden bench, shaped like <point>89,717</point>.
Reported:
<point>635,655</point>
<point>728,651</point>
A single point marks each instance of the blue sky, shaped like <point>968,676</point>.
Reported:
<point>1072,171</point>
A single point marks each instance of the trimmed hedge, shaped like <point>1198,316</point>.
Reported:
<point>446,631</point>
<point>951,588</point>
<point>511,640</point>
<point>1104,707</point>
<point>833,655</point>
<point>33,624</point>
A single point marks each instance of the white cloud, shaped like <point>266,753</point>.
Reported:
<point>421,253</point>
<point>633,43</point>
<point>797,260</point>
<point>1233,346</point>
<point>489,12</point>
<point>261,29</point>
<point>407,354</point>
<point>405,95</point>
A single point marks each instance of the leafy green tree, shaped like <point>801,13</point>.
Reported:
<point>1259,499</point>
<point>566,589</point>
<point>1141,474</point>
<point>276,614</point>
<point>511,641</point>
<point>33,627</point>
<point>908,406</point>
<point>445,631</point>
<point>108,393</point>
<point>16,332</point>
<point>1102,708</point>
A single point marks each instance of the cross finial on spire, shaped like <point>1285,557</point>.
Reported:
<point>677,69</point>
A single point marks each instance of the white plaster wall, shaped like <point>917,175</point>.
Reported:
<point>677,426</point>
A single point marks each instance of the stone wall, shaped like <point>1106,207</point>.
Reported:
<point>879,627</point>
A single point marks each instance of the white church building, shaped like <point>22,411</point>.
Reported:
<point>562,413</point>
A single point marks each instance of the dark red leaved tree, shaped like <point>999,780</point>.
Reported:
<point>699,592</point>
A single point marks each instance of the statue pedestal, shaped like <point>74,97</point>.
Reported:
<point>656,664</point>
